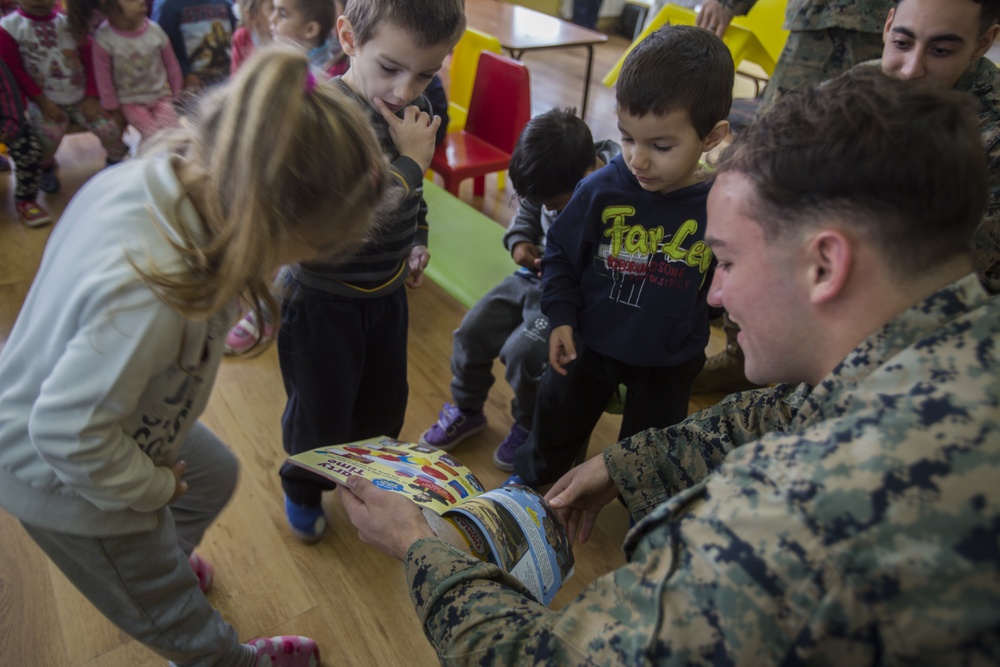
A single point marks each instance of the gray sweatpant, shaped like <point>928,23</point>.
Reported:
<point>143,583</point>
<point>506,323</point>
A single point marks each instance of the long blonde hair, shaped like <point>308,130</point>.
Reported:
<point>270,158</point>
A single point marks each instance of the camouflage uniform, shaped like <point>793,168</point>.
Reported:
<point>983,81</point>
<point>851,523</point>
<point>826,38</point>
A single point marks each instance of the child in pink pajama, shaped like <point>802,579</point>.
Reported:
<point>138,75</point>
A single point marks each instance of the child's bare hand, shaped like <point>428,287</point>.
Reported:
<point>419,257</point>
<point>91,109</point>
<point>526,254</point>
<point>413,134</point>
<point>180,486</point>
<point>562,350</point>
<point>50,109</point>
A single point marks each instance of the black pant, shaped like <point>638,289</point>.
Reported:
<point>569,407</point>
<point>343,362</point>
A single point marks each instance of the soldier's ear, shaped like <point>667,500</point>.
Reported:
<point>829,262</point>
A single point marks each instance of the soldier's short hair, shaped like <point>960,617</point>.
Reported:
<point>678,67</point>
<point>899,164</point>
<point>989,13</point>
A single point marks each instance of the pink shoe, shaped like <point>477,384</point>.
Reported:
<point>203,570</point>
<point>285,651</point>
<point>243,336</point>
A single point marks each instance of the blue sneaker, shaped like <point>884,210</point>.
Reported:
<point>503,457</point>
<point>453,426</point>
<point>307,522</point>
<point>513,479</point>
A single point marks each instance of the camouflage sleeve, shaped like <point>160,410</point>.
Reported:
<point>715,575</point>
<point>653,466</point>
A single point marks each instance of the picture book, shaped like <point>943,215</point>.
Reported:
<point>512,527</point>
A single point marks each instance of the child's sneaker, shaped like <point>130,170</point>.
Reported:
<point>285,651</point>
<point>307,522</point>
<point>512,480</point>
<point>32,214</point>
<point>49,183</point>
<point>243,336</point>
<point>453,426</point>
<point>203,570</point>
<point>503,457</point>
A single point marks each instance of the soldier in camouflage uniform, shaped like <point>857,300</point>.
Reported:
<point>826,38</point>
<point>848,518</point>
<point>943,43</point>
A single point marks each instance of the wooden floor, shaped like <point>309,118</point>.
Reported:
<point>341,592</point>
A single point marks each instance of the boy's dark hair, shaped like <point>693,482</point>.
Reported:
<point>989,13</point>
<point>899,164</point>
<point>429,22</point>
<point>678,67</point>
<point>322,12</point>
<point>552,154</point>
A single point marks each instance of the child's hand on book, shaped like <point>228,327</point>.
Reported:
<point>388,521</point>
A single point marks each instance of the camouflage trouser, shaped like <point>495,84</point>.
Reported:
<point>817,55</point>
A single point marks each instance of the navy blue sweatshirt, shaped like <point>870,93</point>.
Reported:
<point>629,269</point>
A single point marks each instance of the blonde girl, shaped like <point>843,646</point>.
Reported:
<point>116,348</point>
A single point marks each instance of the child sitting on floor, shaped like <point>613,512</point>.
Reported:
<point>53,70</point>
<point>138,76</point>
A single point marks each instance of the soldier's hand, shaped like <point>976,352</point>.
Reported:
<point>579,495</point>
<point>714,16</point>
<point>388,521</point>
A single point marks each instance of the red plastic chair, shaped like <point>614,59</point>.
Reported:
<point>499,109</point>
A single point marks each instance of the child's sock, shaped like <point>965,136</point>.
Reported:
<point>286,651</point>
<point>203,570</point>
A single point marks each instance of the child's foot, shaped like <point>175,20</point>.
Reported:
<point>242,336</point>
<point>32,214</point>
<point>453,426</point>
<point>203,570</point>
<point>513,479</point>
<point>285,651</point>
<point>49,182</point>
<point>307,522</point>
<point>503,457</point>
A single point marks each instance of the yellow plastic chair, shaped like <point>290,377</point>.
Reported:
<point>757,37</point>
<point>462,73</point>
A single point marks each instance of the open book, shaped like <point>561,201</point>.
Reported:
<point>511,527</point>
